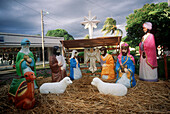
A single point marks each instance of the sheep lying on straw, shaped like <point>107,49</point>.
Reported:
<point>109,88</point>
<point>55,87</point>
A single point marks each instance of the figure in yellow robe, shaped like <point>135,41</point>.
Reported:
<point>107,63</point>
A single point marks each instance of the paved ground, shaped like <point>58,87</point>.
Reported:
<point>7,73</point>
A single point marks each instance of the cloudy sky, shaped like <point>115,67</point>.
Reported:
<point>24,16</point>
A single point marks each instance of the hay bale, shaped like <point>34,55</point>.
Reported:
<point>82,97</point>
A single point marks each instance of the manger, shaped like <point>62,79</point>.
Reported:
<point>112,43</point>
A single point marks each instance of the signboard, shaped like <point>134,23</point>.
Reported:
<point>1,39</point>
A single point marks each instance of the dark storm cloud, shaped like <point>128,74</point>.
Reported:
<point>23,16</point>
<point>16,18</point>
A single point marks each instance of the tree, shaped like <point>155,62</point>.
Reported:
<point>110,26</point>
<point>60,33</point>
<point>38,34</point>
<point>86,37</point>
<point>118,32</point>
<point>158,15</point>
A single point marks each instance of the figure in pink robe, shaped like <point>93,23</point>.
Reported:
<point>147,50</point>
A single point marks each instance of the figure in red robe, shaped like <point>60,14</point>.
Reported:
<point>58,65</point>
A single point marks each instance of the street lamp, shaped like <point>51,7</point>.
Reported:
<point>42,31</point>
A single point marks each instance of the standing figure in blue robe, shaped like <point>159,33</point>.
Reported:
<point>75,72</point>
<point>125,67</point>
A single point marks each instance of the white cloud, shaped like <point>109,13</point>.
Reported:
<point>98,33</point>
<point>122,27</point>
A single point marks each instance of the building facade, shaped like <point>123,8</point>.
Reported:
<point>10,45</point>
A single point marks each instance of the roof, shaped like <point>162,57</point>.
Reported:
<point>26,35</point>
<point>14,40</point>
<point>100,41</point>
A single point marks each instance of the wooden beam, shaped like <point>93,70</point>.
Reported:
<point>102,41</point>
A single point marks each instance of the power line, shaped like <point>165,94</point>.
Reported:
<point>27,6</point>
<point>99,5</point>
<point>58,22</point>
<point>106,9</point>
<point>33,9</point>
<point>40,13</point>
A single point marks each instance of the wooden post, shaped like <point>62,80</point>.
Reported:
<point>119,39</point>
<point>68,55</point>
<point>63,52</point>
<point>165,65</point>
<point>68,59</point>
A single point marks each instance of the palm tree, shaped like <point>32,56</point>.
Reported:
<point>86,37</point>
<point>110,26</point>
<point>118,32</point>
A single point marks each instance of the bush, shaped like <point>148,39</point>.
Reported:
<point>44,73</point>
<point>81,54</point>
<point>133,53</point>
<point>161,67</point>
<point>137,58</point>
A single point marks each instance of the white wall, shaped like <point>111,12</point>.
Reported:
<point>14,40</point>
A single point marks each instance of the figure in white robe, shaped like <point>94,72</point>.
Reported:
<point>92,56</point>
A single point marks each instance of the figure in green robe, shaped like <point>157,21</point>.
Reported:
<point>25,61</point>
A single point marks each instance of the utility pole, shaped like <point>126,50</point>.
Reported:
<point>42,34</point>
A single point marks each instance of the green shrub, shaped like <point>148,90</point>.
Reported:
<point>133,53</point>
<point>44,73</point>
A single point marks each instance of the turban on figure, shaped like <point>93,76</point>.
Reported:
<point>148,25</point>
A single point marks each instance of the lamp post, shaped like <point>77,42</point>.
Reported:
<point>42,34</point>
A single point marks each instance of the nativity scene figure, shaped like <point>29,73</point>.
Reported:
<point>92,56</point>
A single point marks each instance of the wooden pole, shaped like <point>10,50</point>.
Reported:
<point>165,65</point>
<point>63,52</point>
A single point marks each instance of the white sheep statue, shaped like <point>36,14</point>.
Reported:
<point>55,87</point>
<point>115,89</point>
